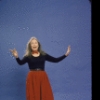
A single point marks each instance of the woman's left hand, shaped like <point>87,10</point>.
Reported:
<point>68,50</point>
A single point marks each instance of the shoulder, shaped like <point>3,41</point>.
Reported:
<point>43,54</point>
<point>46,55</point>
<point>26,57</point>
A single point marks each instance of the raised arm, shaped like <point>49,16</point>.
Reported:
<point>54,59</point>
<point>15,54</point>
<point>21,61</point>
<point>58,59</point>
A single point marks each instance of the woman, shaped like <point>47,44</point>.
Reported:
<point>37,83</point>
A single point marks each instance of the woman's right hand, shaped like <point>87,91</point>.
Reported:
<point>14,52</point>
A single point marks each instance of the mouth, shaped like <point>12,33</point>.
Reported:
<point>34,47</point>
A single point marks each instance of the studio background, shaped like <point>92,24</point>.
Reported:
<point>56,24</point>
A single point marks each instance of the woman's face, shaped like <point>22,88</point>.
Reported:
<point>34,45</point>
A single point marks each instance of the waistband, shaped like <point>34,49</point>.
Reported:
<point>37,69</point>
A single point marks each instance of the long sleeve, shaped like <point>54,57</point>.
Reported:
<point>53,59</point>
<point>21,61</point>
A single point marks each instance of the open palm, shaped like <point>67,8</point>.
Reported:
<point>14,52</point>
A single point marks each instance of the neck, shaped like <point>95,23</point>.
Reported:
<point>35,52</point>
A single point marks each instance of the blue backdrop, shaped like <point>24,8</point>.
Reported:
<point>56,24</point>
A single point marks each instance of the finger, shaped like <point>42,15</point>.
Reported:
<point>11,50</point>
<point>69,46</point>
<point>15,50</point>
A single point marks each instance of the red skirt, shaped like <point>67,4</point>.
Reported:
<point>38,86</point>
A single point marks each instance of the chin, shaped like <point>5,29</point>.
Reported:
<point>35,50</point>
